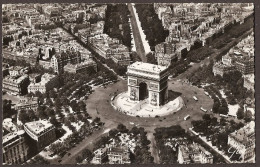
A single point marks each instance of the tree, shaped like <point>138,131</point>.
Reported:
<point>50,112</point>
<point>23,116</point>
<point>122,128</point>
<point>54,121</point>
<point>248,116</point>
<point>7,110</point>
<point>67,123</point>
<point>57,148</point>
<point>39,160</point>
<point>206,117</point>
<point>222,140</point>
<point>87,154</point>
<point>214,121</point>
<point>240,113</point>
<point>38,94</point>
<point>52,94</point>
<point>79,159</point>
<point>223,121</point>
<point>112,133</point>
<point>96,120</point>
<point>79,117</point>
<point>71,118</point>
<point>41,113</point>
<point>31,115</point>
<point>151,58</point>
<point>216,106</point>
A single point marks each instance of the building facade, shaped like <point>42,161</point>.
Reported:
<point>16,85</point>
<point>17,70</point>
<point>243,140</point>
<point>118,155</point>
<point>249,82</point>
<point>27,103</point>
<point>76,68</point>
<point>100,156</point>
<point>14,148</point>
<point>221,69</point>
<point>194,153</point>
<point>245,66</point>
<point>58,61</point>
<point>42,132</point>
<point>165,53</point>
<point>48,82</point>
<point>122,59</point>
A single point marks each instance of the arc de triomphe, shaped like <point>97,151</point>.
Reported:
<point>147,80</point>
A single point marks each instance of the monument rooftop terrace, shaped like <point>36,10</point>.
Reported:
<point>147,67</point>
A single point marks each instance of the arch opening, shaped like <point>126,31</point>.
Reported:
<point>143,91</point>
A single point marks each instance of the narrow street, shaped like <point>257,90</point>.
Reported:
<point>137,36</point>
<point>153,148</point>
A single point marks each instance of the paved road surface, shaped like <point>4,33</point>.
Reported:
<point>153,148</point>
<point>137,37</point>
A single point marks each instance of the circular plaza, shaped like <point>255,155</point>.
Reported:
<point>148,99</point>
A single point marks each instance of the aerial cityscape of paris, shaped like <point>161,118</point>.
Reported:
<point>128,83</point>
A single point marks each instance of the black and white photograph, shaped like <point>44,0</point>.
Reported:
<point>128,83</point>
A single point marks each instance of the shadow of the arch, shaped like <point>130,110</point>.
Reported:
<point>173,95</point>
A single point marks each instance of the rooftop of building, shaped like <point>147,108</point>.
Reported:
<point>9,125</point>
<point>17,80</point>
<point>222,65</point>
<point>27,100</point>
<point>86,62</point>
<point>11,136</point>
<point>100,151</point>
<point>16,68</point>
<point>33,75</point>
<point>250,78</point>
<point>46,77</point>
<point>245,134</point>
<point>193,148</point>
<point>37,127</point>
<point>147,67</point>
<point>122,56</point>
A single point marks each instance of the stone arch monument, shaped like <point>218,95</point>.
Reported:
<point>148,81</point>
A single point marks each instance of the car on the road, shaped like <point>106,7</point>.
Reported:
<point>195,98</point>
<point>186,117</point>
<point>203,109</point>
<point>60,160</point>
